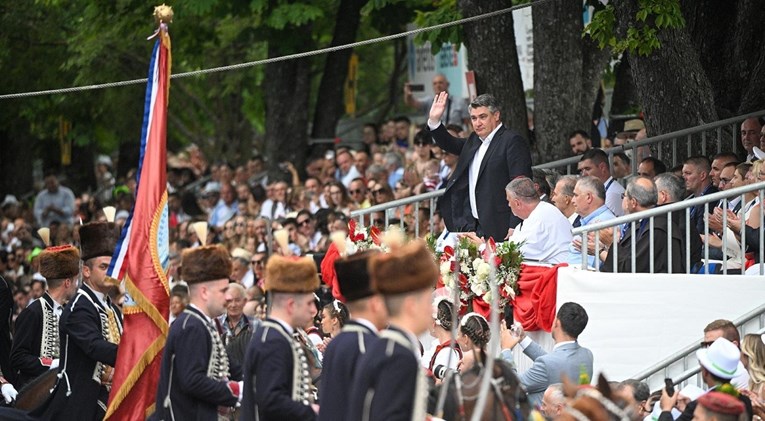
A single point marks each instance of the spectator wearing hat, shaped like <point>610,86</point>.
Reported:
<point>389,382</point>
<point>36,334</point>
<point>722,328</point>
<point>195,376</point>
<point>368,316</point>
<point>717,406</point>
<point>567,358</point>
<point>277,382</point>
<point>55,203</point>
<point>720,362</point>
<point>90,330</point>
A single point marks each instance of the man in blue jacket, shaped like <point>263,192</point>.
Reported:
<point>567,357</point>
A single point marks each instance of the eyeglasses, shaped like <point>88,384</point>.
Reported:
<point>378,191</point>
<point>304,222</point>
<point>335,192</point>
<point>357,191</point>
<point>706,344</point>
<point>256,262</point>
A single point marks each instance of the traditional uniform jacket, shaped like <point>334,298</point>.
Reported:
<point>389,383</point>
<point>35,341</point>
<point>340,361</point>
<point>194,379</point>
<point>90,332</point>
<point>277,384</point>
<point>6,314</point>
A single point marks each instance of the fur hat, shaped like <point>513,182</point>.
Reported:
<point>291,274</point>
<point>98,239</point>
<point>206,263</point>
<point>353,276</point>
<point>408,269</point>
<point>59,262</point>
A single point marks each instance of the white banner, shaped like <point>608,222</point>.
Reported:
<point>637,320</point>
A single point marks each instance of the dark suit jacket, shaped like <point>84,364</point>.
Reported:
<point>6,314</point>
<point>643,250</point>
<point>193,395</point>
<point>340,362</point>
<point>82,347</point>
<point>27,340</point>
<point>697,212</point>
<point>385,383</point>
<point>268,377</point>
<point>508,157</point>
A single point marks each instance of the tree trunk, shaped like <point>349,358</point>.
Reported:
<point>286,88</point>
<point>624,99</point>
<point>567,73</point>
<point>329,103</point>
<point>672,86</point>
<point>493,56</point>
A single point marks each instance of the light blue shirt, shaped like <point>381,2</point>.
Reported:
<point>574,256</point>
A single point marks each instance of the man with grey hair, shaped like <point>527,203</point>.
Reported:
<point>563,198</point>
<point>544,233</point>
<point>553,401</point>
<point>394,166</point>
<point>671,189</point>
<point>488,159</point>
<point>641,195</point>
<point>590,204</point>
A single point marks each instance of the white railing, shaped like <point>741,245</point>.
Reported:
<point>667,210</point>
<point>700,140</point>
<point>683,367</point>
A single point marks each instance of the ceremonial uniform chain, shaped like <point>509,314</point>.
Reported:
<point>49,344</point>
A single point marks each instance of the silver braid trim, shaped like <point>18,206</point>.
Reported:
<point>49,343</point>
<point>218,365</point>
<point>302,389</point>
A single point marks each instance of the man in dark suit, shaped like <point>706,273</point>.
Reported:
<point>698,182</point>
<point>357,336</point>
<point>670,189</point>
<point>277,384</point>
<point>390,383</point>
<point>641,195</point>
<point>489,158</point>
<point>195,380</point>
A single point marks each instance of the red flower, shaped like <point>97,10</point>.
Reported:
<point>374,232</point>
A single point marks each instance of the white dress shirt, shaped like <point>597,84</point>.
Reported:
<point>614,192</point>
<point>475,168</point>
<point>545,235</point>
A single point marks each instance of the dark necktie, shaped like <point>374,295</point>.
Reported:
<point>578,221</point>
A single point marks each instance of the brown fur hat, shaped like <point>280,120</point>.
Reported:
<point>59,262</point>
<point>206,263</point>
<point>291,274</point>
<point>98,239</point>
<point>408,269</point>
<point>353,275</point>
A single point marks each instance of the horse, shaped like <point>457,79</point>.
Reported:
<point>506,400</point>
<point>598,403</point>
<point>37,391</point>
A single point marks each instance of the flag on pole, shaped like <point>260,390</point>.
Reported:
<point>141,257</point>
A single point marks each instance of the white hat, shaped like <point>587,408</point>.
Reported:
<point>104,160</point>
<point>722,358</point>
<point>241,253</point>
<point>691,392</point>
<point>9,200</point>
<point>758,153</point>
<point>123,214</point>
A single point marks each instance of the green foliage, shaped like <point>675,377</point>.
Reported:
<point>445,11</point>
<point>296,14</point>
<point>641,37</point>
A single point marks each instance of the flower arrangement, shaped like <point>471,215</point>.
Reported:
<point>469,270</point>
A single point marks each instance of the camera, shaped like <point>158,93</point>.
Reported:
<point>440,371</point>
